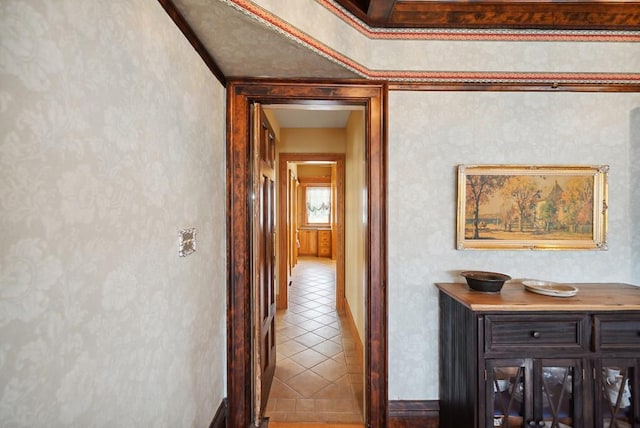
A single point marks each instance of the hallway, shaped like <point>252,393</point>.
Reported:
<point>319,373</point>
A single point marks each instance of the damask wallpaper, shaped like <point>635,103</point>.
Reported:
<point>111,141</point>
<point>430,133</point>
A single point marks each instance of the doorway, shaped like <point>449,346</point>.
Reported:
<point>292,227</point>
<point>241,95</point>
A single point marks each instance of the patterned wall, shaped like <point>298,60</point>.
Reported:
<point>429,135</point>
<point>111,140</point>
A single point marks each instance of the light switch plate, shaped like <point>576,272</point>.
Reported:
<point>186,241</point>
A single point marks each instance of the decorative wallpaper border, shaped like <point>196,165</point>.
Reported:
<point>279,25</point>
<point>512,77</point>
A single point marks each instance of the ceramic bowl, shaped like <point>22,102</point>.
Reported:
<point>488,282</point>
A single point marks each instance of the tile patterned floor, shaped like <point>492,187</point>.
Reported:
<point>318,373</point>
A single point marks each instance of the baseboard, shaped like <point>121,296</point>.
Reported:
<point>354,331</point>
<point>413,414</point>
<point>220,418</point>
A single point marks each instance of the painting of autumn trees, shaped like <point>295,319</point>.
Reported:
<point>531,205</point>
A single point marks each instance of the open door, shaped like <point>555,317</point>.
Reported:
<point>264,305</point>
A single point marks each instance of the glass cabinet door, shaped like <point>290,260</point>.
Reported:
<point>558,391</point>
<point>534,393</point>
<point>508,393</point>
<point>615,382</point>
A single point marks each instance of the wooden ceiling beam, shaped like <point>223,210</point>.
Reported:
<point>613,15</point>
<point>380,10</point>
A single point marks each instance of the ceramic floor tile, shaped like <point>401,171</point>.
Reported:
<point>318,373</point>
<point>308,358</point>
<point>327,332</point>
<point>307,383</point>
<point>328,348</point>
<point>334,391</point>
<point>327,318</point>
<point>347,418</point>
<point>292,319</point>
<point>290,347</point>
<point>281,390</point>
<point>311,314</point>
<point>327,310</point>
<point>285,405</point>
<point>310,324</point>
<point>305,405</point>
<point>287,368</point>
<point>335,406</point>
<point>309,339</point>
<point>330,370</point>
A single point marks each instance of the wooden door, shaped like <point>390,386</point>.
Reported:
<point>264,259</point>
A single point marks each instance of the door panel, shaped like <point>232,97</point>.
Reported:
<point>264,258</point>
<point>617,402</point>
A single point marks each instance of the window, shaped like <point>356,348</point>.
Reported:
<point>318,204</point>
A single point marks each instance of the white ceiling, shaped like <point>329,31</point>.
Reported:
<point>310,116</point>
<point>244,46</point>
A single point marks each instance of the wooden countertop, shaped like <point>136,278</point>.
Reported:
<point>514,297</point>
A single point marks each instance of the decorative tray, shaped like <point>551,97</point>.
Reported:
<point>552,289</point>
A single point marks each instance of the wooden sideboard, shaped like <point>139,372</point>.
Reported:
<point>520,359</point>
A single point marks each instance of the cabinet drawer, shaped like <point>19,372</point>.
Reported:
<point>617,332</point>
<point>536,332</point>
<point>324,236</point>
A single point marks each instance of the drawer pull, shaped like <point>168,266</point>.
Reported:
<point>535,334</point>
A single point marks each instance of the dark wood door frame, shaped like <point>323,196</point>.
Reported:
<point>240,95</point>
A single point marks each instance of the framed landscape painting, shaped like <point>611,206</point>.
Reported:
<point>530,207</point>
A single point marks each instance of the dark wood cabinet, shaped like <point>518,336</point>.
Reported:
<point>519,359</point>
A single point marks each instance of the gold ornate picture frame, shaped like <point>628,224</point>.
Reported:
<point>531,207</point>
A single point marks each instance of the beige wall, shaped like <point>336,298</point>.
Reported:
<point>305,140</point>
<point>314,171</point>
<point>271,117</point>
<point>111,141</point>
<point>634,186</point>
<point>355,219</point>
